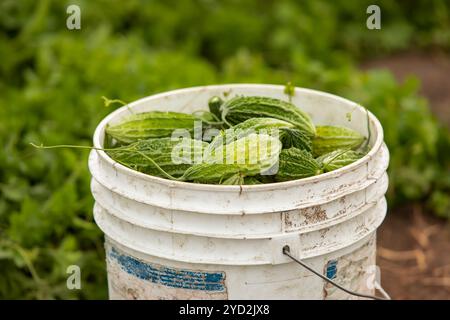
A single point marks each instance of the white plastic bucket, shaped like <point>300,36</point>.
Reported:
<point>175,240</point>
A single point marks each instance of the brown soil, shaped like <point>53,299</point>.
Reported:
<point>414,255</point>
<point>413,246</point>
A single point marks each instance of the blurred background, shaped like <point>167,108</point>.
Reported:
<point>52,78</point>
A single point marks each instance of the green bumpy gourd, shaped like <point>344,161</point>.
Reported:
<point>330,138</point>
<point>147,125</point>
<point>296,164</point>
<point>239,109</point>
<point>255,152</point>
<point>174,156</point>
<point>295,138</point>
<point>338,159</point>
<point>285,131</point>
<point>289,135</point>
<point>231,163</point>
<point>243,129</point>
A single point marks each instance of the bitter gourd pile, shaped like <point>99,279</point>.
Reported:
<point>258,140</point>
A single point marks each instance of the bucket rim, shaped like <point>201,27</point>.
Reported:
<point>375,123</point>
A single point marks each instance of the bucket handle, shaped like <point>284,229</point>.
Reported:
<point>287,252</point>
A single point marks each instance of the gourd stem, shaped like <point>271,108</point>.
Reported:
<point>59,146</point>
<point>161,170</point>
<point>108,101</point>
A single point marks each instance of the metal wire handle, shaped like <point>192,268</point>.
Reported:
<point>287,251</point>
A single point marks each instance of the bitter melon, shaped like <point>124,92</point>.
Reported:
<point>285,131</point>
<point>330,138</point>
<point>241,108</point>
<point>154,124</point>
<point>296,164</point>
<point>174,156</point>
<point>229,164</point>
<point>338,159</point>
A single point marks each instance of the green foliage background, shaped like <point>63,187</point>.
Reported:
<point>51,81</point>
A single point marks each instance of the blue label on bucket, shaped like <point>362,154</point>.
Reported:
<point>331,269</point>
<point>175,278</point>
